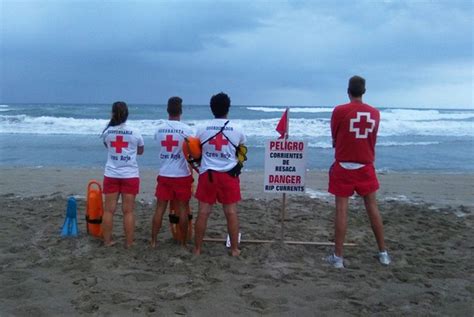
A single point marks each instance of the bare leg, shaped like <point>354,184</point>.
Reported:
<point>108,217</point>
<point>370,201</point>
<point>340,224</point>
<point>161,206</point>
<point>230,212</point>
<point>128,204</point>
<point>200,226</point>
<point>183,220</point>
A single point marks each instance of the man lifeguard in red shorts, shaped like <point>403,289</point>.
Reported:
<point>218,179</point>
<point>174,179</point>
<point>354,129</point>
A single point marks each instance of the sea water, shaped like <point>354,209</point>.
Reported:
<point>33,135</point>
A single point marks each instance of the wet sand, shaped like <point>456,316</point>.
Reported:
<point>429,222</point>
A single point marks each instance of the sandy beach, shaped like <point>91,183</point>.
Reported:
<point>429,226</point>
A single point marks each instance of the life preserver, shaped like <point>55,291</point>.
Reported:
<point>94,209</point>
<point>174,222</point>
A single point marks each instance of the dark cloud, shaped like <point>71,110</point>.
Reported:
<point>262,52</point>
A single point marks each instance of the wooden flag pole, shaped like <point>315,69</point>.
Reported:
<point>283,214</point>
<point>283,203</point>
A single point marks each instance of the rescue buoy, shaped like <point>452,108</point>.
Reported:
<point>174,222</point>
<point>192,151</point>
<point>94,209</point>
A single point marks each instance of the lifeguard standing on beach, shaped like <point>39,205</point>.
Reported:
<point>121,176</point>
<point>354,128</point>
<point>219,170</point>
<point>174,179</point>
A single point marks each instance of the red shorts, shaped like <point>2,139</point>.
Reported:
<point>174,188</point>
<point>223,188</point>
<point>121,185</point>
<point>343,182</point>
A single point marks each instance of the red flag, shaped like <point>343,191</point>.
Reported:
<point>282,126</point>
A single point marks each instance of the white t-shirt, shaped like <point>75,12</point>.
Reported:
<point>218,154</point>
<point>122,143</point>
<point>170,137</point>
<point>351,165</point>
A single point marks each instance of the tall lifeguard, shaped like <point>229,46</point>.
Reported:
<point>354,128</point>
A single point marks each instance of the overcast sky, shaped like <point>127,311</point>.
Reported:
<point>292,53</point>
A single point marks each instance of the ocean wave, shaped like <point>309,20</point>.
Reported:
<point>328,144</point>
<point>388,143</point>
<point>23,124</point>
<point>399,198</point>
<point>425,128</point>
<point>295,110</point>
<point>316,194</point>
<point>425,115</point>
<point>386,114</point>
<point>259,128</point>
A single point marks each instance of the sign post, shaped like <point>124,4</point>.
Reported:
<point>283,215</point>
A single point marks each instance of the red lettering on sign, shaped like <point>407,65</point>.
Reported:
<point>295,146</point>
<point>284,179</point>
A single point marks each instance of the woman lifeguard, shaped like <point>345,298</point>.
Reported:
<point>121,176</point>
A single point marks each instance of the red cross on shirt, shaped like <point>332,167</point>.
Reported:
<point>219,141</point>
<point>362,125</point>
<point>118,144</point>
<point>169,143</point>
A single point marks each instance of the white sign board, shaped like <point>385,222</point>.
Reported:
<point>285,166</point>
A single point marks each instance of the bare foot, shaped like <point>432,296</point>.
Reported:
<point>234,252</point>
<point>129,245</point>
<point>109,244</point>
<point>153,243</point>
<point>196,251</point>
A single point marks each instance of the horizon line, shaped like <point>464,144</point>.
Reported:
<point>235,105</point>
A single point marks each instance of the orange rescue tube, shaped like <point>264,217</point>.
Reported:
<point>192,151</point>
<point>192,148</point>
<point>174,222</point>
<point>94,209</point>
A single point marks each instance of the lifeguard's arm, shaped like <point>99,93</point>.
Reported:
<point>333,128</point>
<point>243,139</point>
<point>103,137</point>
<point>103,140</point>
<point>141,145</point>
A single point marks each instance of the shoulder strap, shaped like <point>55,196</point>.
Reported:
<point>229,140</point>
<point>220,131</point>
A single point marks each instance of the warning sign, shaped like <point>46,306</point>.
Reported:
<point>285,166</point>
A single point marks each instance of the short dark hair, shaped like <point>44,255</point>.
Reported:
<point>175,106</point>
<point>356,86</point>
<point>220,105</point>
